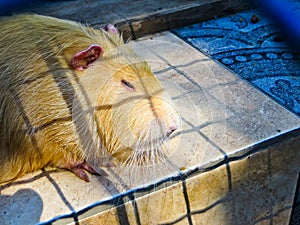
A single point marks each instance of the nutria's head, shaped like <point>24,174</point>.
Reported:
<point>133,114</point>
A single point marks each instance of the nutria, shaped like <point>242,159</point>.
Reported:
<point>44,107</point>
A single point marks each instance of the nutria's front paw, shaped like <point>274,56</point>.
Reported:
<point>79,169</point>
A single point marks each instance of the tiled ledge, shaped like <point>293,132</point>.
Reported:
<point>232,151</point>
<point>255,189</point>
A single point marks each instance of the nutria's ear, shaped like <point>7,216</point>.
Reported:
<point>83,59</point>
<point>110,29</point>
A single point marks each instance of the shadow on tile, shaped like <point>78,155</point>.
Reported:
<point>24,207</point>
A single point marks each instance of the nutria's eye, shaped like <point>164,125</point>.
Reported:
<point>128,85</point>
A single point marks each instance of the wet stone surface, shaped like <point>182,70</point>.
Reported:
<point>258,52</point>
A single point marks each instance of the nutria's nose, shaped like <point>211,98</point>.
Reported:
<point>172,128</point>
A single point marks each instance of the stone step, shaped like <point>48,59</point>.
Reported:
<point>135,19</point>
<point>227,164</point>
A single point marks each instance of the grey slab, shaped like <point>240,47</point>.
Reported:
<point>136,18</point>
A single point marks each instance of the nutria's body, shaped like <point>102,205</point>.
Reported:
<point>42,59</point>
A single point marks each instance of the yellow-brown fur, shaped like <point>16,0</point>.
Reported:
<point>37,89</point>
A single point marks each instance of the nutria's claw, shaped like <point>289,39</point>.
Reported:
<point>108,164</point>
<point>78,170</point>
<point>80,173</point>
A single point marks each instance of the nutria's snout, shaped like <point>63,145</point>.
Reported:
<point>172,128</point>
<point>170,123</point>
<point>168,117</point>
